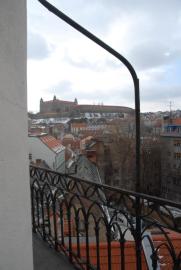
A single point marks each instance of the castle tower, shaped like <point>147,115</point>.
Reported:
<point>41,105</point>
<point>75,101</point>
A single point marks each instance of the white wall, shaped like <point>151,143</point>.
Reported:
<point>15,219</point>
<point>60,161</point>
<point>56,161</point>
<point>40,151</point>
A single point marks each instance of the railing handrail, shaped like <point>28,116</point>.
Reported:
<point>62,202</point>
<point>162,201</point>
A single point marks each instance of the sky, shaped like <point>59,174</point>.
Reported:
<point>63,62</point>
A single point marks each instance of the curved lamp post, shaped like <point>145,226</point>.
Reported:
<point>132,71</point>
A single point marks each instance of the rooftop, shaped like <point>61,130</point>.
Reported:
<point>52,143</point>
<point>85,169</point>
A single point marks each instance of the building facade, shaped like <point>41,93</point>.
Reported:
<point>57,107</point>
<point>49,150</point>
<point>171,162</point>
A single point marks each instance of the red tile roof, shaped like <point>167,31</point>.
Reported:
<point>74,143</point>
<point>52,143</point>
<point>176,121</point>
<point>129,250</point>
<point>130,253</point>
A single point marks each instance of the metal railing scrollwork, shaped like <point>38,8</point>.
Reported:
<point>95,225</point>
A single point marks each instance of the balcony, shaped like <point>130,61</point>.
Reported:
<point>46,258</point>
<point>101,227</point>
<point>171,131</point>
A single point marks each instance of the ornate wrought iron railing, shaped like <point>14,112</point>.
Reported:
<point>95,225</point>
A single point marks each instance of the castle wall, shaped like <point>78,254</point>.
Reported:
<point>57,106</point>
<point>66,108</point>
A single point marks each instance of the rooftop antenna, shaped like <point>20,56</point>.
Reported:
<point>170,106</point>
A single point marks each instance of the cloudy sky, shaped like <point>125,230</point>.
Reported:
<point>63,62</point>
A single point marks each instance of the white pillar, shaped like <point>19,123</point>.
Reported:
<point>15,219</point>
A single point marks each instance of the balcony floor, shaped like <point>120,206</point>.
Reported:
<point>46,258</point>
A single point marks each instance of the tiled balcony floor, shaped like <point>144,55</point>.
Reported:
<point>46,258</point>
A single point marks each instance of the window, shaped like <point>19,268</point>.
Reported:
<point>177,155</point>
<point>176,181</point>
<point>177,143</point>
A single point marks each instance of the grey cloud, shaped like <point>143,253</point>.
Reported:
<point>160,21</point>
<point>37,46</point>
<point>79,63</point>
<point>91,14</point>
<point>155,93</point>
<point>154,37</point>
<point>63,90</point>
<point>155,5</point>
<point>152,92</point>
<point>93,64</point>
<point>160,93</point>
<point>112,63</point>
<point>155,34</point>
<point>153,41</point>
<point>151,54</point>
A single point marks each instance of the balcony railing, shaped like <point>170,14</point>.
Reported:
<point>101,227</point>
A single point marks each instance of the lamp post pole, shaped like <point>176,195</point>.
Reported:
<point>132,71</point>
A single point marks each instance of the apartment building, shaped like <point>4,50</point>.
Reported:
<point>48,149</point>
<point>171,162</point>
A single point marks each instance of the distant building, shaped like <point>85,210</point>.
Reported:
<point>56,107</point>
<point>56,130</point>
<point>47,149</point>
<point>171,162</point>
<point>72,143</point>
<point>77,126</point>
<point>126,127</point>
<point>85,169</point>
<point>176,121</point>
<point>36,129</point>
<point>90,149</point>
<point>62,108</point>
